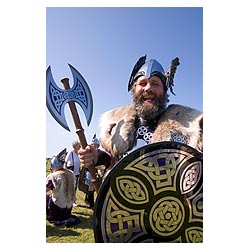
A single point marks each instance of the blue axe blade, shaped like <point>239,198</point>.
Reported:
<point>83,94</point>
<point>56,98</point>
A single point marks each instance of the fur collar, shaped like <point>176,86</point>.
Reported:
<point>117,129</point>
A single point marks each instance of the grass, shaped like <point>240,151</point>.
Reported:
<point>81,233</point>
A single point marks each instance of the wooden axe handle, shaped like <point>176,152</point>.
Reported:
<point>80,132</point>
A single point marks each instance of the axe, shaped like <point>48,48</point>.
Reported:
<point>56,99</point>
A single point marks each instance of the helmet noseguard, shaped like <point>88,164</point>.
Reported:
<point>154,68</point>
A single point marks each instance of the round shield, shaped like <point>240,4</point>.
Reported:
<point>154,194</point>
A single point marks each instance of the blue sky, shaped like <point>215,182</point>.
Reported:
<point>103,44</point>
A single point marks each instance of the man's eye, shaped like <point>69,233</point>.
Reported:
<point>143,84</point>
<point>154,84</point>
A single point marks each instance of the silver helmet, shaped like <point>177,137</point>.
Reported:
<point>153,68</point>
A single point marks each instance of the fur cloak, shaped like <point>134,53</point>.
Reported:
<point>118,131</point>
<point>63,194</point>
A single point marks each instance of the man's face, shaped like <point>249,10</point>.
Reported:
<point>77,147</point>
<point>53,168</point>
<point>149,97</point>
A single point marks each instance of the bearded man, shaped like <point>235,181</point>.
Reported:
<point>147,120</point>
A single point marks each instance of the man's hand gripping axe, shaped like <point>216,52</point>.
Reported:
<point>56,99</point>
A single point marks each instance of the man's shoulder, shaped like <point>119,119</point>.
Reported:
<point>181,107</point>
<point>68,171</point>
<point>52,175</point>
<point>174,111</point>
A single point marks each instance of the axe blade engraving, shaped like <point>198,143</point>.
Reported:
<point>56,98</point>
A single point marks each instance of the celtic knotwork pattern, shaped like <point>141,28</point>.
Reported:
<point>57,97</point>
<point>121,224</point>
<point>80,94</point>
<point>167,216</point>
<point>179,138</point>
<point>76,94</point>
<point>132,189</point>
<point>69,94</point>
<point>190,177</point>
<point>194,235</point>
<point>160,169</point>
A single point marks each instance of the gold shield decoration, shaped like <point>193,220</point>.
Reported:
<point>155,194</point>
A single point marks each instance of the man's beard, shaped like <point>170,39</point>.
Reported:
<point>149,111</point>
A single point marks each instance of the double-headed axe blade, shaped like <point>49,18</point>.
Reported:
<point>56,98</point>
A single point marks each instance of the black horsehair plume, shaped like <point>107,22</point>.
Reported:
<point>137,66</point>
<point>170,74</point>
<point>61,156</point>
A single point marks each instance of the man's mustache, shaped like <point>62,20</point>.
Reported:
<point>146,93</point>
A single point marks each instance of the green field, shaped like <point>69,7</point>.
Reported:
<point>81,233</point>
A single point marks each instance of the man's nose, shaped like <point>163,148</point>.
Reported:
<point>148,86</point>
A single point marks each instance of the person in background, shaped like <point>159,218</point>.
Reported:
<point>60,192</point>
<point>72,162</point>
<point>89,197</point>
<point>148,119</point>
